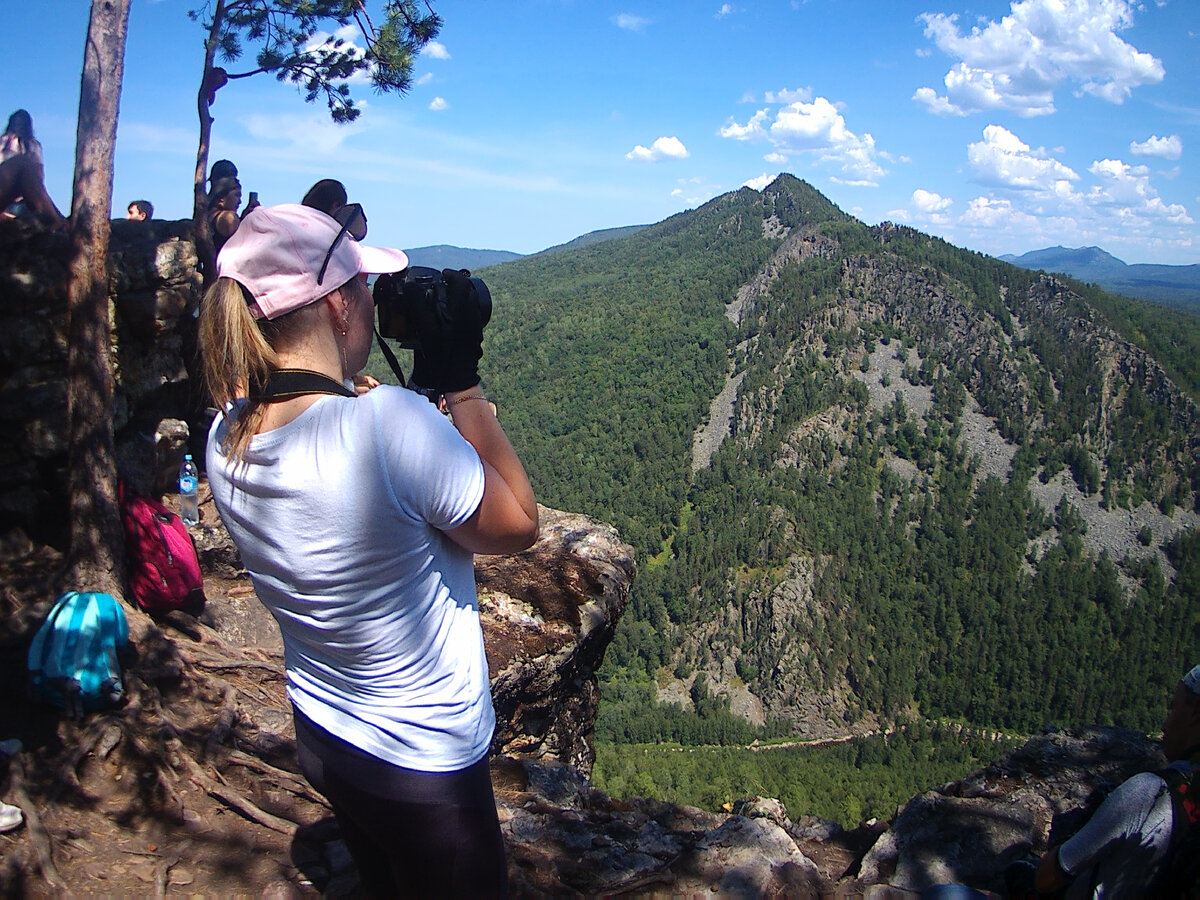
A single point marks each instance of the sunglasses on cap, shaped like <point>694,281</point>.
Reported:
<point>354,223</point>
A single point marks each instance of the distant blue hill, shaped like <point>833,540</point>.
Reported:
<point>1177,286</point>
<point>444,256</point>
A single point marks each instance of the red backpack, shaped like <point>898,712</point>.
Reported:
<point>164,571</point>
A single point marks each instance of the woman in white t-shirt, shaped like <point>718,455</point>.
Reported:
<point>357,518</point>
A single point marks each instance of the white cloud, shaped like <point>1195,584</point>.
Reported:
<point>939,106</point>
<point>425,79</point>
<point>437,104</point>
<point>929,202</point>
<point>436,50</point>
<point>318,131</point>
<point>800,95</point>
<point>752,130</point>
<point>815,129</point>
<point>1004,160</point>
<point>930,207</point>
<point>760,182</point>
<point>1018,63</point>
<point>630,22</point>
<point>997,214</point>
<point>663,148</point>
<point>727,9</point>
<point>1032,206</point>
<point>1126,190</point>
<point>1162,147</point>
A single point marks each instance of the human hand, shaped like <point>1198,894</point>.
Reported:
<point>464,346</point>
<point>364,383</point>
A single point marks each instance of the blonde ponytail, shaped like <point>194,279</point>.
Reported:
<point>236,355</point>
<point>239,353</point>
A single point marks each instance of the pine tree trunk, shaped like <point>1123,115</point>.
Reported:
<point>201,233</point>
<point>95,559</point>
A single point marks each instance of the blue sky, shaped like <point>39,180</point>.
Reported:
<point>1001,126</point>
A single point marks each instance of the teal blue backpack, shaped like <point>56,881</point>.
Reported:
<point>73,658</point>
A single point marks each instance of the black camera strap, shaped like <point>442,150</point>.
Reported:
<point>390,357</point>
<point>286,384</point>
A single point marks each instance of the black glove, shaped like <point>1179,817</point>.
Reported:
<point>463,346</point>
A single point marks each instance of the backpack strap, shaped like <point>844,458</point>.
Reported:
<point>286,384</point>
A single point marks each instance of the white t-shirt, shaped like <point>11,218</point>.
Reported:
<point>10,146</point>
<point>1120,850</point>
<point>338,518</point>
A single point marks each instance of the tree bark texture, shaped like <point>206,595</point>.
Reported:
<point>96,556</point>
<point>201,233</point>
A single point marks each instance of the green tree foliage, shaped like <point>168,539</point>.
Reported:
<point>612,353</point>
<point>844,783</point>
<point>284,33</point>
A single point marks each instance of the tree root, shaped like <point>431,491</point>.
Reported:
<point>33,822</point>
<point>277,671</point>
<point>284,779</point>
<point>234,799</point>
<point>162,876</point>
<point>224,724</point>
<point>67,776</point>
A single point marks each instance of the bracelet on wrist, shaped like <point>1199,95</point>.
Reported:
<point>457,400</point>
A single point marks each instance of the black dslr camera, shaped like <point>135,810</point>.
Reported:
<point>422,305</point>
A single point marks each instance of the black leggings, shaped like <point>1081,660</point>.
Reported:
<point>419,834</point>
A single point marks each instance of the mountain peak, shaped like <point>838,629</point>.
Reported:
<point>1064,258</point>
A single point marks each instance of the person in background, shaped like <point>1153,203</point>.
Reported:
<point>22,171</point>
<point>18,139</point>
<point>222,168</point>
<point>140,211</point>
<point>1124,845</point>
<point>357,517</point>
<point>327,195</point>
<point>223,217</point>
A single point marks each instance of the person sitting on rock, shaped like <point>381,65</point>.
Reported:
<point>1122,849</point>
<point>140,211</point>
<point>22,175</point>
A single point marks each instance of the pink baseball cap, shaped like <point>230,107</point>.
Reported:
<point>277,252</point>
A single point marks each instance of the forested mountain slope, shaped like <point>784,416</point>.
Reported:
<point>946,485</point>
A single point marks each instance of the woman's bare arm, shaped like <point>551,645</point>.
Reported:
<point>507,518</point>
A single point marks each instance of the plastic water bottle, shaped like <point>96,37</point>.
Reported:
<point>189,492</point>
